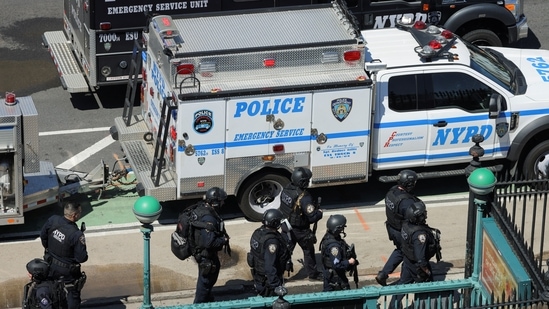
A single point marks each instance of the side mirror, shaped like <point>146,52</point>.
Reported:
<point>496,105</point>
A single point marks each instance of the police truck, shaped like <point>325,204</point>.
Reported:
<point>241,106</point>
<point>95,46</point>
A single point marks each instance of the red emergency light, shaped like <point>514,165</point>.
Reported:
<point>351,55</point>
<point>447,34</point>
<point>105,26</point>
<point>420,25</point>
<point>434,44</point>
<point>166,21</point>
<point>269,62</point>
<point>185,68</point>
<point>278,148</point>
<point>200,184</point>
<point>10,98</point>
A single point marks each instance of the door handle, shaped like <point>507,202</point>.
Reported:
<point>441,123</point>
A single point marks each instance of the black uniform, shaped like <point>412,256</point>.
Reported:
<point>334,259</point>
<point>397,201</point>
<point>419,245</point>
<point>268,256</point>
<point>300,209</point>
<point>65,248</point>
<point>209,241</point>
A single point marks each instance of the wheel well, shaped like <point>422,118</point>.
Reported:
<point>494,25</point>
<point>280,170</point>
<point>532,142</point>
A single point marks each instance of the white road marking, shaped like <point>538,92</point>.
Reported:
<point>73,131</point>
<point>86,153</point>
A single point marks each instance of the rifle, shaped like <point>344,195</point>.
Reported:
<point>351,253</point>
<point>315,225</point>
<point>438,254</point>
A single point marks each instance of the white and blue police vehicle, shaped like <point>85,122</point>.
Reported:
<point>239,106</point>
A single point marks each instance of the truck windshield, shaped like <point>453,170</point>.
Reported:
<point>493,66</point>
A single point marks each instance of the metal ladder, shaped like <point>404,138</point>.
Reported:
<point>168,106</point>
<point>133,79</point>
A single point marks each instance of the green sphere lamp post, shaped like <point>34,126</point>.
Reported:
<point>147,209</point>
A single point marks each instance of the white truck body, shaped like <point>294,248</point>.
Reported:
<point>271,91</point>
<point>26,183</point>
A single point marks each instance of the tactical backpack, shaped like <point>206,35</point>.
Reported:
<point>182,239</point>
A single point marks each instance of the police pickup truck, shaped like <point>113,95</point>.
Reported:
<point>94,48</point>
<point>305,87</point>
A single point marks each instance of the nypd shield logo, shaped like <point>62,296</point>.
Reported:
<point>341,108</point>
<point>334,251</point>
<point>502,128</point>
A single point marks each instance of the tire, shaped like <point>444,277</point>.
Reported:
<point>536,163</point>
<point>482,37</point>
<point>260,193</point>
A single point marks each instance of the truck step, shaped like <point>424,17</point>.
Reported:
<point>437,174</point>
<point>140,154</point>
<point>71,75</point>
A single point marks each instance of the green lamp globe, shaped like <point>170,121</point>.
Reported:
<point>481,181</point>
<point>147,209</point>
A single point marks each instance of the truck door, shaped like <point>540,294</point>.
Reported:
<point>200,126</point>
<point>341,134</point>
<point>460,110</point>
<point>400,121</point>
<point>256,125</point>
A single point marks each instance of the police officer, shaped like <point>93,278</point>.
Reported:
<point>419,244</point>
<point>334,255</point>
<point>397,200</point>
<point>65,249</point>
<point>208,242</point>
<point>301,211</point>
<point>269,254</point>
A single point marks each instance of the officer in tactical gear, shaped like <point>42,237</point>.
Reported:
<point>65,249</point>
<point>208,242</point>
<point>298,207</point>
<point>397,200</point>
<point>335,255</point>
<point>269,254</point>
<point>420,243</point>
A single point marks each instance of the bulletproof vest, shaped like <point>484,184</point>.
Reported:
<point>326,242</point>
<point>58,239</point>
<point>43,294</point>
<point>290,207</point>
<point>197,216</point>
<point>257,248</point>
<point>408,231</point>
<point>392,206</point>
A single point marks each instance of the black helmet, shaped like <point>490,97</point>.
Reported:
<point>39,269</point>
<point>416,213</point>
<point>336,224</point>
<point>407,179</point>
<point>301,177</point>
<point>272,218</point>
<point>215,196</point>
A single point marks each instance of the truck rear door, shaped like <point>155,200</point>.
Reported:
<point>200,125</point>
<point>340,134</point>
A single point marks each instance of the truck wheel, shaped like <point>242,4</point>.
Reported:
<point>260,193</point>
<point>536,163</point>
<point>482,37</point>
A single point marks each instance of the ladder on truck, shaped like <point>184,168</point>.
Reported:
<point>168,106</point>
<point>131,89</point>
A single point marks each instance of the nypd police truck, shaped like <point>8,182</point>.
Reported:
<point>95,46</point>
<point>241,106</point>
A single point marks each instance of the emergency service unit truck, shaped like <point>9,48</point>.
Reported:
<point>239,106</point>
<point>26,183</point>
<point>94,48</point>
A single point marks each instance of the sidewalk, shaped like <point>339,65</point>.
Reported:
<point>115,265</point>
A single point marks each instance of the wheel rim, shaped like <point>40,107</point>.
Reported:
<point>541,166</point>
<point>265,195</point>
